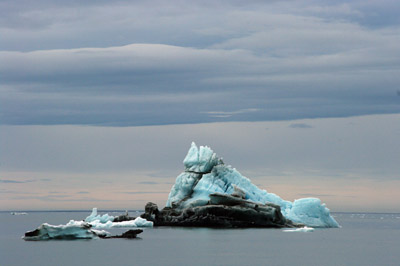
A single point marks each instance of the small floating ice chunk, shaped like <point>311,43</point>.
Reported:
<point>93,217</point>
<point>71,230</point>
<point>138,222</point>
<point>87,229</point>
<point>18,213</point>
<point>304,229</point>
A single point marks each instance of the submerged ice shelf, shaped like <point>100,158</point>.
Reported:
<point>206,174</point>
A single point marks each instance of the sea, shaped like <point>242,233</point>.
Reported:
<point>363,239</point>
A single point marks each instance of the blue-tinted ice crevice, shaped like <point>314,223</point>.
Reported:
<point>205,174</point>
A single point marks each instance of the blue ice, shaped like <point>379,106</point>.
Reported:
<point>205,173</point>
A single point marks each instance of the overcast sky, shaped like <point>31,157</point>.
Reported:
<point>129,63</point>
<point>122,66</point>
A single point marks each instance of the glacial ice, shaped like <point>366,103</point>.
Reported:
<point>99,218</point>
<point>138,222</point>
<point>205,173</point>
<point>86,229</point>
<point>304,229</point>
<point>200,160</point>
<point>71,230</point>
<point>105,221</point>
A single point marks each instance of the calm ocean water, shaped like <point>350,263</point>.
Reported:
<point>364,239</point>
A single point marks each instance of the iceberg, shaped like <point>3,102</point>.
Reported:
<point>88,228</point>
<point>206,174</point>
<point>71,230</point>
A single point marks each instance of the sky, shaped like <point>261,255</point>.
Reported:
<point>100,100</point>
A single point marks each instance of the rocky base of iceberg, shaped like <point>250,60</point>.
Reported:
<point>224,211</point>
<point>123,218</point>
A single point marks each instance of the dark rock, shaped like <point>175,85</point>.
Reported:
<point>221,211</point>
<point>131,233</point>
<point>33,233</point>
<point>123,218</point>
<point>151,212</point>
<point>128,234</point>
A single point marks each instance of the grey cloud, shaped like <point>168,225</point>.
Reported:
<point>59,198</point>
<point>300,125</point>
<point>194,63</point>
<point>223,114</point>
<point>88,88</point>
<point>322,195</point>
<point>5,191</point>
<point>166,173</point>
<point>315,195</point>
<point>45,24</point>
<point>7,181</point>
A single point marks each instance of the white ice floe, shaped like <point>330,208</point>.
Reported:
<point>138,222</point>
<point>205,173</point>
<point>302,229</point>
<point>105,221</point>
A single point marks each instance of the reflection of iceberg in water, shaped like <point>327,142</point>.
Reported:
<point>205,174</point>
<point>87,229</point>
